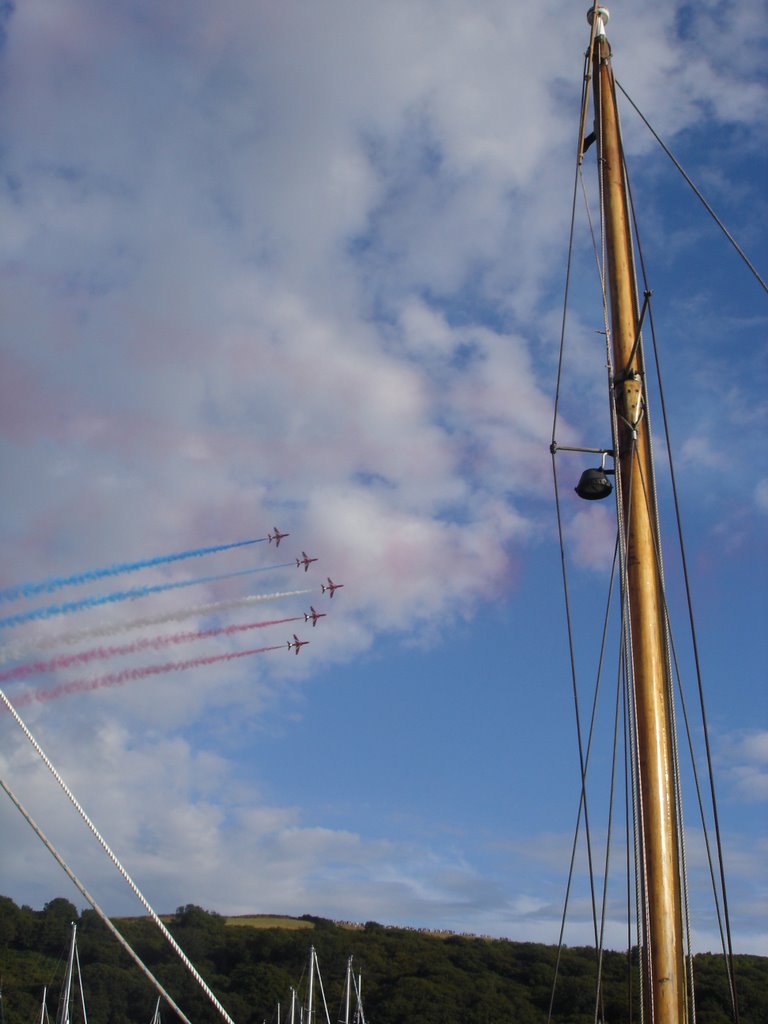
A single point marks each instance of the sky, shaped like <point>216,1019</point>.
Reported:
<point>302,265</point>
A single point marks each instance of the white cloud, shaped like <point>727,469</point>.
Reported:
<point>701,452</point>
<point>592,535</point>
<point>746,756</point>
<point>294,263</point>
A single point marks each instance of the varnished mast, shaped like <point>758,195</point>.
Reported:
<point>662,933</point>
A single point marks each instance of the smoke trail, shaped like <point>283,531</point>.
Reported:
<point>117,628</point>
<point>97,600</point>
<point>132,674</point>
<point>146,643</point>
<point>57,582</point>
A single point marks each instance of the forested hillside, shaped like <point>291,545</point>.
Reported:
<point>406,975</point>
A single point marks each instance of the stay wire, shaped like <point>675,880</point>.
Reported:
<point>676,769</point>
<point>675,752</point>
<point>590,737</point>
<point>653,513</point>
<point>583,758</point>
<point>582,796</point>
<point>601,266</point>
<point>695,190</point>
<point>728,953</point>
<point>599,1003</point>
<point>702,814</point>
<point>80,985</point>
<point>79,885</point>
<point>698,792</point>
<point>566,593</point>
<point>641,853</point>
<point>641,874</point>
<point>633,804</point>
<point>566,295</point>
<point>642,910</point>
<point>322,993</point>
<point>103,843</point>
<point>671,652</point>
<point>628,863</point>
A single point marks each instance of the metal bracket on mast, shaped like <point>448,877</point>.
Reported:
<point>554,447</point>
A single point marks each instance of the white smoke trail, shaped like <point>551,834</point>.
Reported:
<point>16,651</point>
<point>96,600</point>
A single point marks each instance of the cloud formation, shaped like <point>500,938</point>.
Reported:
<point>302,264</point>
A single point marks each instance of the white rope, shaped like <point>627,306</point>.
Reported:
<point>79,885</point>
<point>134,888</point>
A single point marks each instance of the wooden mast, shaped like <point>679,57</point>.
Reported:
<point>663,959</point>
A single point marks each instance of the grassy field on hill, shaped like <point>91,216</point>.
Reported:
<point>268,921</point>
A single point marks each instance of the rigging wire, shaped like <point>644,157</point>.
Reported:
<point>600,259</point>
<point>645,950</point>
<point>695,190</point>
<point>322,992</point>
<point>620,552</point>
<point>79,885</point>
<point>628,775</point>
<point>632,782</point>
<point>609,836</point>
<point>648,495</point>
<point>582,795</point>
<point>728,946</point>
<point>80,986</point>
<point>112,856</point>
<point>566,593</point>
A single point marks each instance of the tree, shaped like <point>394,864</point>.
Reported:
<point>56,922</point>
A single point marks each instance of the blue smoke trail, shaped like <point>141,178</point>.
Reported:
<point>57,582</point>
<point>123,595</point>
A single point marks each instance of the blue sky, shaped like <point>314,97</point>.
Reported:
<point>302,264</point>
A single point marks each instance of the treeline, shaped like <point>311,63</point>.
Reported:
<point>407,975</point>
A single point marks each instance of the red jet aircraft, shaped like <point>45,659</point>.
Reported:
<point>305,561</point>
<point>312,614</point>
<point>277,537</point>
<point>297,644</point>
<point>332,587</point>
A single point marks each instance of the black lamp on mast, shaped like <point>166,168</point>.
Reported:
<point>594,483</point>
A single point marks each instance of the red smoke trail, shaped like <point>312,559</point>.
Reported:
<point>130,675</point>
<point>16,651</point>
<point>147,643</point>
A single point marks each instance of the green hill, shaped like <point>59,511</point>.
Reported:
<point>251,963</point>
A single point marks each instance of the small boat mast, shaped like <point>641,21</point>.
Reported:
<point>63,1015</point>
<point>661,926</point>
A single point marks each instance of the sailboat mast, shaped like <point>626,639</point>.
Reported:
<point>662,932</point>
<point>348,992</point>
<point>63,1015</point>
<point>310,996</point>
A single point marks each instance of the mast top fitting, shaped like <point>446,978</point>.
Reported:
<point>603,14</point>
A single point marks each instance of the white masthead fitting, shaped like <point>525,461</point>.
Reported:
<point>603,15</point>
